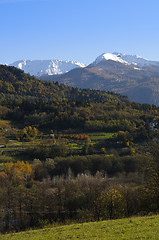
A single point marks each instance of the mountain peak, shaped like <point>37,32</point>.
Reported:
<point>109,56</point>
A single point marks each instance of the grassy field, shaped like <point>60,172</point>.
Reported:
<point>128,229</point>
<point>100,135</point>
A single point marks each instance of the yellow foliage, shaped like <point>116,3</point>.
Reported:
<point>18,172</point>
<point>29,133</point>
<point>132,151</point>
<point>103,150</point>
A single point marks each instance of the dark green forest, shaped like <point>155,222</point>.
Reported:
<point>73,154</point>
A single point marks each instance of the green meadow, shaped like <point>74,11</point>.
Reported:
<point>100,135</point>
<point>127,229</point>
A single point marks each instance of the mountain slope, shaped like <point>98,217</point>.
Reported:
<point>137,60</point>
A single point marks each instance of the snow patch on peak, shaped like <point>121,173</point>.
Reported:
<point>136,60</point>
<point>110,56</point>
<point>137,68</point>
<point>20,64</point>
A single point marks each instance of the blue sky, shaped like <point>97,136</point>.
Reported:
<point>77,29</point>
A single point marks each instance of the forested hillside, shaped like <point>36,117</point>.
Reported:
<point>14,82</point>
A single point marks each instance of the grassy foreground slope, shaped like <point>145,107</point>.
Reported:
<point>130,228</point>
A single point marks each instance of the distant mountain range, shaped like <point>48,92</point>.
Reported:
<point>48,67</point>
<point>130,75</point>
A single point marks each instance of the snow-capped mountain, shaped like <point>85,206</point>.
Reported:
<point>48,67</point>
<point>125,59</point>
<point>131,75</point>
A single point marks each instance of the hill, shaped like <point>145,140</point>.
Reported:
<point>130,228</point>
<point>14,82</point>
